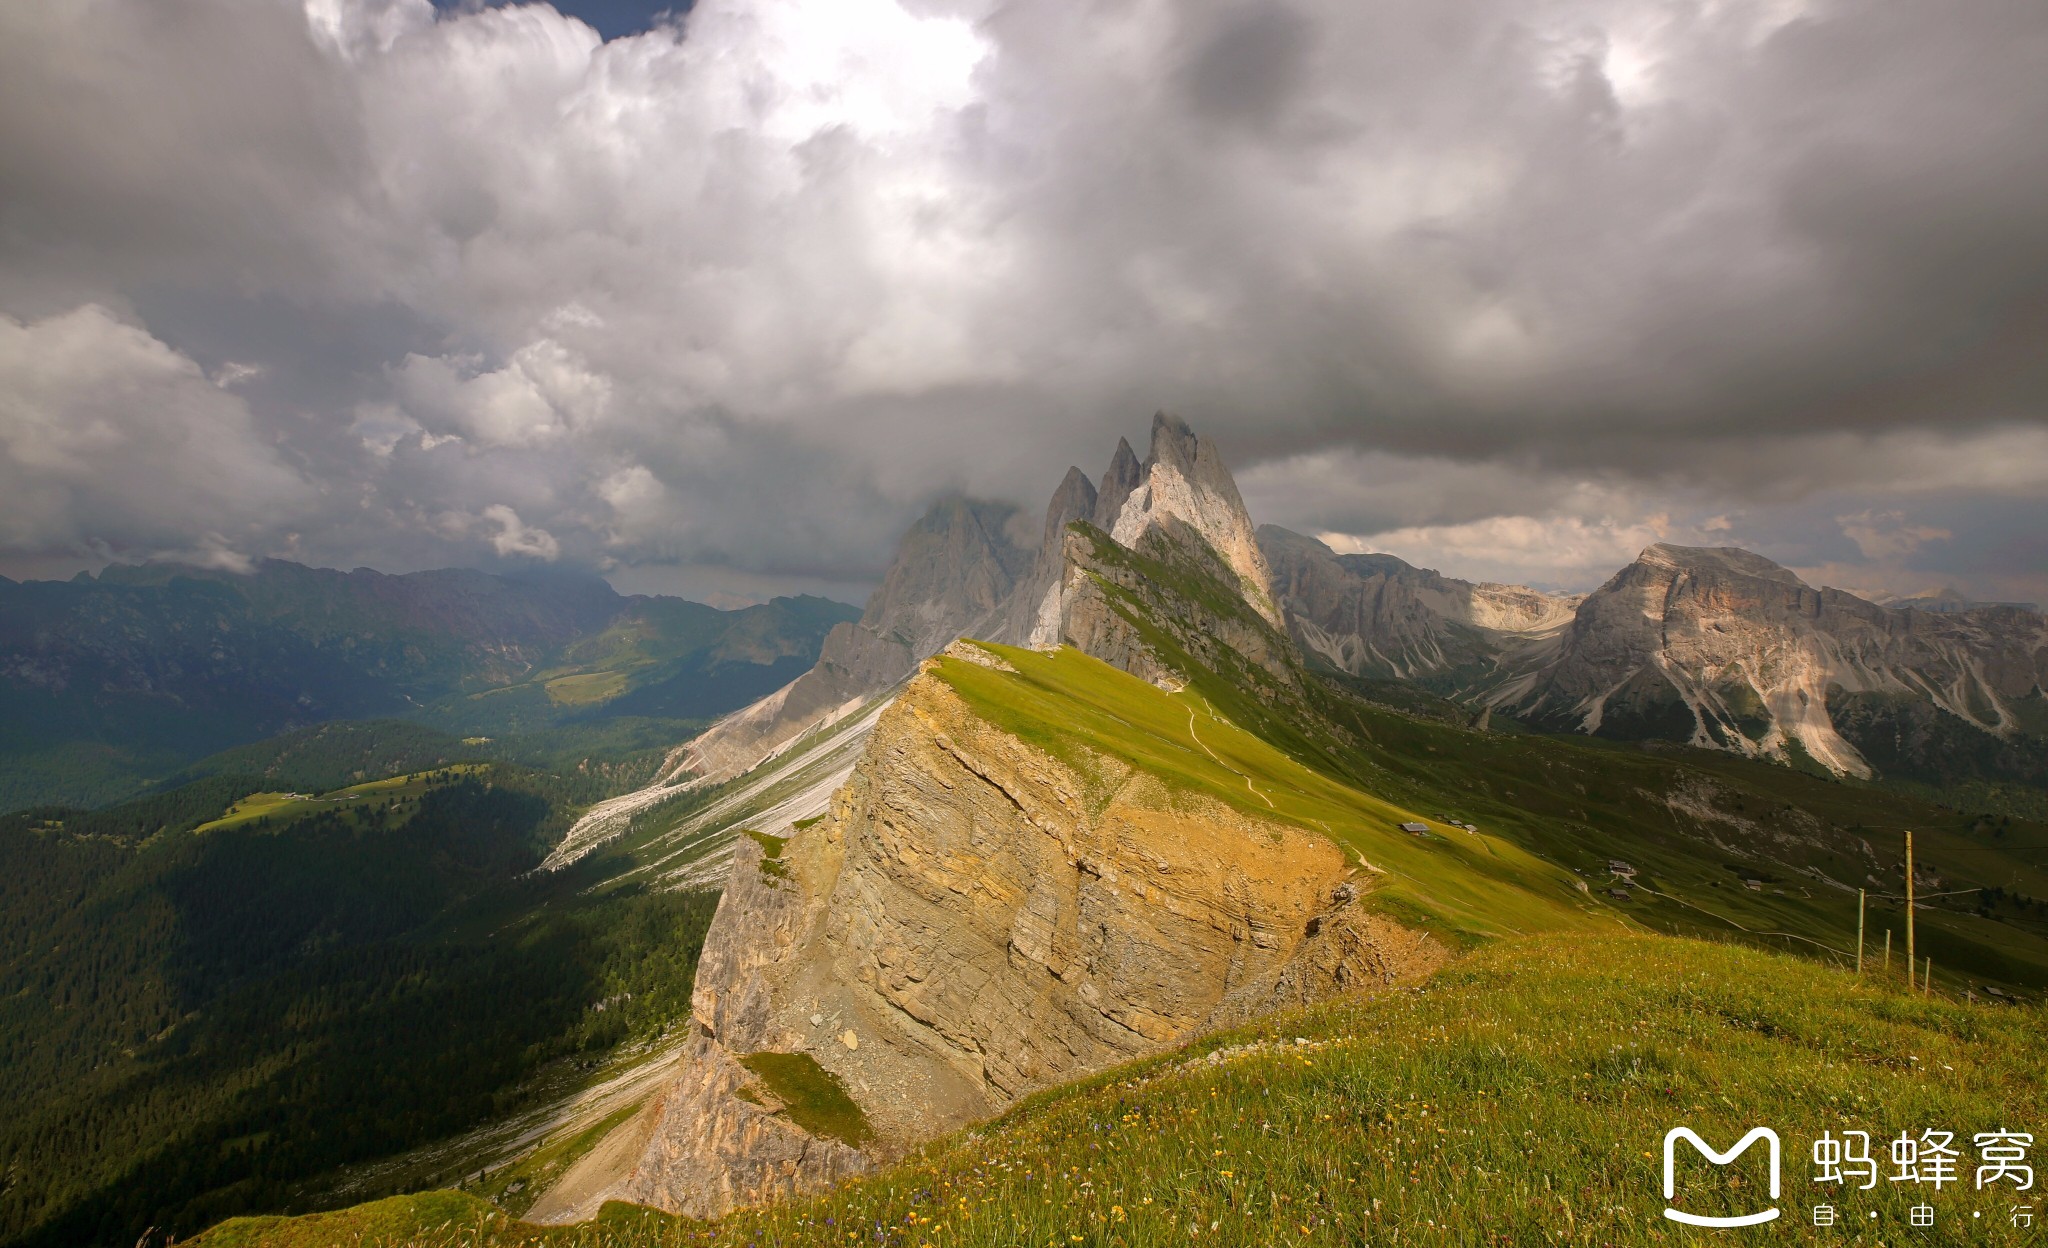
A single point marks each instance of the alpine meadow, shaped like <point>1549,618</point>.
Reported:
<point>943,624</point>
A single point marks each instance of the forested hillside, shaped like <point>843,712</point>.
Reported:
<point>110,685</point>
<point>199,1014</point>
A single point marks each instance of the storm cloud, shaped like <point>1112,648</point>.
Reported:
<point>1505,287</point>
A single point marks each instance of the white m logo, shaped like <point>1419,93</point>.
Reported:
<point>1687,1134</point>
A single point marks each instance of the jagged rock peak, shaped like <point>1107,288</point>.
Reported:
<point>1726,560</point>
<point>1184,478</point>
<point>1038,594</point>
<point>1118,481</point>
<point>1074,500</point>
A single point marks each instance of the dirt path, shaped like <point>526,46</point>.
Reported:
<point>1226,766</point>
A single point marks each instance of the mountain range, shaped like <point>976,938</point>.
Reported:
<point>1115,791</point>
<point>112,682</point>
<point>1716,648</point>
<point>1112,787</point>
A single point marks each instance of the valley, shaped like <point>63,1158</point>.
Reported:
<point>1043,830</point>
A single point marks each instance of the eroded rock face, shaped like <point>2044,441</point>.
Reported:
<point>1725,648</point>
<point>711,1150</point>
<point>1024,923</point>
<point>975,920</point>
<point>1375,615</point>
<point>955,572</point>
<point>1185,479</point>
<point>1179,586</point>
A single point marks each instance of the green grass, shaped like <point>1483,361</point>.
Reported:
<point>811,1096</point>
<point>771,853</point>
<point>1689,818</point>
<point>587,688</point>
<point>1463,886</point>
<point>283,806</point>
<point>391,1221</point>
<point>1519,1097</point>
<point>771,846</point>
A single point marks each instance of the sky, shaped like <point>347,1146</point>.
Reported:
<point>714,300</point>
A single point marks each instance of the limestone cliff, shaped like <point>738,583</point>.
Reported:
<point>1184,480</point>
<point>1169,556</point>
<point>954,572</point>
<point>1134,608</point>
<point>976,919</point>
<point>1075,499</point>
<point>1376,615</point>
<point>1724,648</point>
<point>959,572</point>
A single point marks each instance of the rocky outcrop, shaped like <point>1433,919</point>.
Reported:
<point>954,573</point>
<point>1122,476</point>
<point>1375,615</point>
<point>1184,480</point>
<point>976,919</point>
<point>1038,593</point>
<point>1167,575</point>
<point>711,1141</point>
<point>958,573</point>
<point>1166,608</point>
<point>1724,648</point>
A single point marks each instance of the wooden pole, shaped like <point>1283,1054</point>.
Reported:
<point>1887,953</point>
<point>1909,908</point>
<point>1927,980</point>
<point>1859,931</point>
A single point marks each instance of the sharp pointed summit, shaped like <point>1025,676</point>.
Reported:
<point>958,573</point>
<point>1118,481</point>
<point>1184,479</point>
<point>1074,500</point>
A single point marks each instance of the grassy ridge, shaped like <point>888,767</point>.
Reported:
<point>1696,823</point>
<point>1520,1097</point>
<point>1078,708</point>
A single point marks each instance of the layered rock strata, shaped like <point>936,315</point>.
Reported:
<point>975,920</point>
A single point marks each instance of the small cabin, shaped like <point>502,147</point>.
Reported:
<point>1415,828</point>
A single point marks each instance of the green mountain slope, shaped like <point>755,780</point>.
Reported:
<point>1559,1044</point>
<point>210,1000</point>
<point>1519,1097</point>
<point>109,684</point>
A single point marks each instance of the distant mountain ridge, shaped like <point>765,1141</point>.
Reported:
<point>108,680</point>
<point>1724,648</point>
<point>959,572</point>
<point>1711,646</point>
<point>1375,615</point>
<point>1715,647</point>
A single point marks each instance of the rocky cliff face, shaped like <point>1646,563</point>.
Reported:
<point>976,919</point>
<point>1375,615</point>
<point>1724,648</point>
<point>1074,501</point>
<point>1134,608</point>
<point>958,573</point>
<point>1169,550</point>
<point>955,573</point>
<point>1719,648</point>
<point>1184,481</point>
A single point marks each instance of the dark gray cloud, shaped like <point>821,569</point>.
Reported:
<point>1510,288</point>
